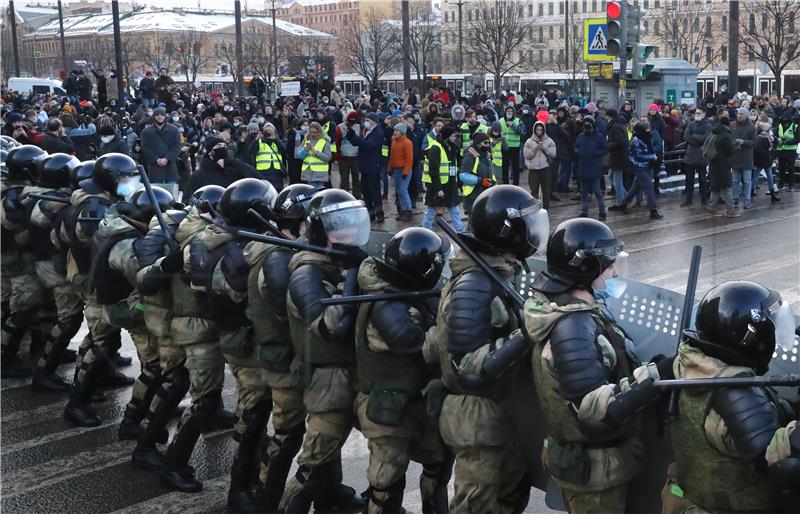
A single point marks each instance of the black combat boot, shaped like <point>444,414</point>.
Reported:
<point>176,473</point>
<point>288,443</point>
<point>337,497</point>
<point>15,325</point>
<point>389,500</point>
<point>433,486</point>
<point>245,464</point>
<point>313,482</point>
<point>150,377</point>
<point>44,378</point>
<point>78,410</point>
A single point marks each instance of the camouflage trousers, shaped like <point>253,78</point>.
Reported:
<point>252,394</point>
<point>203,357</point>
<point>23,293</point>
<point>103,339</point>
<point>607,501</point>
<point>489,479</point>
<point>68,309</point>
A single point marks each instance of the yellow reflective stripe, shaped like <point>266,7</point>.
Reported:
<point>268,157</point>
<point>789,135</point>
<point>314,163</point>
<point>444,166</point>
<point>384,151</point>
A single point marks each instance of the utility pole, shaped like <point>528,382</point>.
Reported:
<point>237,5</point>
<point>566,38</point>
<point>64,65</point>
<point>274,52</point>
<point>733,49</point>
<point>117,51</point>
<point>460,3</point>
<point>13,15</point>
<point>406,45</point>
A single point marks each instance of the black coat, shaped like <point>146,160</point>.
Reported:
<point>116,145</point>
<point>52,143</point>
<point>618,144</point>
<point>209,173</point>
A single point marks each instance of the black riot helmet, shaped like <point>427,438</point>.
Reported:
<point>117,174</point>
<point>23,162</point>
<point>335,215</point>
<point>243,195</point>
<point>143,206</point>
<point>508,219</point>
<point>206,198</point>
<point>81,173</point>
<point>578,252</point>
<point>741,322</point>
<point>3,156</point>
<point>55,169</point>
<point>290,206</point>
<point>414,259</point>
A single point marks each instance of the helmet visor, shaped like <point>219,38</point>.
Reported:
<point>537,225</point>
<point>783,319</point>
<point>346,223</point>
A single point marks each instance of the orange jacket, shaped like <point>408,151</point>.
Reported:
<point>402,155</point>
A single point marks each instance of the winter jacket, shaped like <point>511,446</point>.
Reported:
<point>536,150</point>
<point>161,143</point>
<point>147,87</point>
<point>695,135</point>
<point>563,141</point>
<point>116,145</point>
<point>639,155</point>
<point>452,196</point>
<point>656,124</point>
<point>401,155</point>
<point>762,151</point>
<point>590,149</point>
<point>719,169</point>
<point>209,173</point>
<point>52,143</point>
<point>746,131</point>
<point>618,144</point>
<point>369,150</point>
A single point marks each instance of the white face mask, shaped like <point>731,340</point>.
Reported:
<point>698,117</point>
<point>176,119</point>
<point>106,139</point>
<point>753,118</point>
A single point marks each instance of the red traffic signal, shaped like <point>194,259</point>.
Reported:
<point>613,10</point>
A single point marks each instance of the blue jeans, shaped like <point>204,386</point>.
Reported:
<point>770,179</point>
<point>564,173</point>
<point>619,185</point>
<point>739,177</point>
<point>643,181</point>
<point>455,213</point>
<point>148,102</point>
<point>401,187</point>
<point>589,188</point>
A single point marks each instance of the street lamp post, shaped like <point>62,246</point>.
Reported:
<point>117,51</point>
<point>13,16</point>
<point>274,49</point>
<point>239,72</point>
<point>61,32</point>
<point>460,3</point>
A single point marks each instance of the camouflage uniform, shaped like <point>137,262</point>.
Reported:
<point>51,268</point>
<point>113,279</point>
<point>22,291</point>
<point>392,412</point>
<point>267,281</point>
<point>490,475</point>
<point>328,365</point>
<point>711,473</point>
<point>592,472</point>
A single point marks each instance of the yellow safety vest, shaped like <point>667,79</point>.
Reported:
<point>497,154</point>
<point>327,129</point>
<point>385,151</point>
<point>268,157</point>
<point>466,189</point>
<point>430,140</point>
<point>466,137</point>
<point>789,134</point>
<point>314,163</point>
<point>444,166</point>
<point>511,136</point>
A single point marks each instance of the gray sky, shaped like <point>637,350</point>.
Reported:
<point>204,4</point>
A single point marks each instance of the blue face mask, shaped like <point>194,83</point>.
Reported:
<point>126,188</point>
<point>614,288</point>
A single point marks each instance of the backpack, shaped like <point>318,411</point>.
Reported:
<point>710,148</point>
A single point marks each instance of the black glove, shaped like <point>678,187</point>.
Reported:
<point>353,255</point>
<point>172,262</point>
<point>664,366</point>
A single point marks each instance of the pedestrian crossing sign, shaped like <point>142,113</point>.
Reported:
<point>595,40</point>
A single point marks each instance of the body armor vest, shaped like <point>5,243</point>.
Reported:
<point>386,370</point>
<point>202,261</point>
<point>81,249</point>
<point>708,478</point>
<point>42,245</point>
<point>110,285</point>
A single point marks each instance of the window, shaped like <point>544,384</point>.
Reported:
<point>550,30</point>
<point>584,6</point>
<point>521,56</point>
<point>560,7</point>
<point>723,53</point>
<point>657,4</point>
<point>685,25</point>
<point>551,56</point>
<point>445,17</point>
<point>724,23</point>
<point>541,9</point>
<point>550,8</point>
<point>751,55</point>
<point>764,22</point>
<point>708,54</point>
<point>708,26</point>
<point>541,56</point>
<point>541,34</point>
<point>764,52</point>
<point>560,55</point>
<point>685,54</point>
<point>469,15</point>
<point>752,23</point>
<point>530,55</point>
<point>561,31</point>
<point>530,10</point>
<point>594,5</point>
<point>658,28</point>
<point>645,26</point>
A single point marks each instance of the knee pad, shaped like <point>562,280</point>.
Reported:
<point>179,380</point>
<point>70,326</point>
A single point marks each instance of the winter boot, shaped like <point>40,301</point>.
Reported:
<point>288,443</point>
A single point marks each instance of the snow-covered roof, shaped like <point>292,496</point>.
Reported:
<point>26,14</point>
<point>167,21</point>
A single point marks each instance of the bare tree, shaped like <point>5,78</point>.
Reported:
<point>494,35</point>
<point>570,60</point>
<point>190,54</point>
<point>685,31</point>
<point>424,42</point>
<point>225,51</point>
<point>376,49</point>
<point>260,58</point>
<point>770,34</point>
<point>159,51</point>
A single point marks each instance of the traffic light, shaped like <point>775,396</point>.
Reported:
<point>640,68</point>
<point>633,20</point>
<point>616,15</point>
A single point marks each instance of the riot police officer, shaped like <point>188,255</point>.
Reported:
<point>267,282</point>
<point>113,279</point>
<point>587,386</point>
<point>481,349</point>
<point>114,177</point>
<point>51,267</point>
<point>393,372</point>
<point>22,290</point>
<point>323,339</point>
<point>219,252</point>
<point>735,448</point>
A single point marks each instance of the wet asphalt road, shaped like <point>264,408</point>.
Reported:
<point>49,466</point>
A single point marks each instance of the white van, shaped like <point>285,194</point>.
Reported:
<point>36,86</point>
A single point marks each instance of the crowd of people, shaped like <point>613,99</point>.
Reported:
<point>250,272</point>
